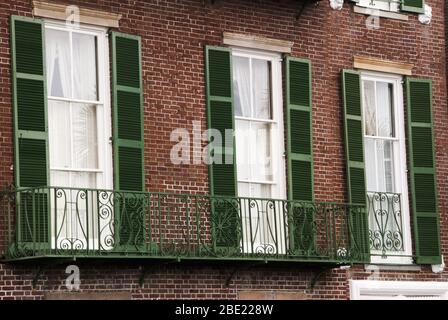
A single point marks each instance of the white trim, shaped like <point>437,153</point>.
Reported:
<point>59,11</point>
<point>400,166</point>
<point>257,42</point>
<point>362,289</point>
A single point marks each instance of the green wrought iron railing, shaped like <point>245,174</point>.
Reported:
<point>82,223</point>
<point>385,223</point>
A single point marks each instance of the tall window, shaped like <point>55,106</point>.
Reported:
<point>259,141</point>
<point>385,160</point>
<point>79,121</point>
<point>259,126</point>
<point>78,113</point>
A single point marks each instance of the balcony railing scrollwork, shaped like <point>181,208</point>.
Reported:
<point>385,222</point>
<point>52,221</point>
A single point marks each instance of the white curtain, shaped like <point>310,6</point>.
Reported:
<point>72,126</point>
<point>84,136</point>
<point>369,108</point>
<point>261,87</point>
<point>385,107</point>
<point>57,48</point>
<point>241,85</point>
<point>84,67</point>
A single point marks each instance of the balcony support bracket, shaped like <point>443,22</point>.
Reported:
<point>317,275</point>
<point>41,269</point>
<point>242,268</point>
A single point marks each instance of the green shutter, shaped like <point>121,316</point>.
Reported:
<point>300,151</point>
<point>417,6</point>
<point>226,224</point>
<point>422,171</point>
<point>127,97</point>
<point>30,126</point>
<point>220,117</point>
<point>354,146</point>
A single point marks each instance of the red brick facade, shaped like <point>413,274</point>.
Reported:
<point>174,33</point>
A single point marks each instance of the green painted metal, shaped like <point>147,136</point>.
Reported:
<point>180,226</point>
<point>386,229</point>
<point>422,171</point>
<point>416,6</point>
<point>354,147</point>
<point>29,95</point>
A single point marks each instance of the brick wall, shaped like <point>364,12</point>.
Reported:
<point>174,33</point>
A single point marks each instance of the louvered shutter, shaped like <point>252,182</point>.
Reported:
<point>422,171</point>
<point>128,138</point>
<point>226,222</point>
<point>30,128</point>
<point>300,151</point>
<point>354,146</point>
<point>417,6</point>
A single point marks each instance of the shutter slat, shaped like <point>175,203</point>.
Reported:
<point>30,153</point>
<point>354,147</point>
<point>128,140</point>
<point>422,171</point>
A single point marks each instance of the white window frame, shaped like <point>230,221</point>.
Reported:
<point>104,177</point>
<point>400,165</point>
<point>277,130</point>
<point>383,5</point>
<point>277,133</point>
<point>103,105</point>
<point>397,290</point>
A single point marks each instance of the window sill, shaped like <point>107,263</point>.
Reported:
<point>380,13</point>
<point>392,267</point>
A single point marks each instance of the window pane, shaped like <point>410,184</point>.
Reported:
<point>243,189</point>
<point>371,175</point>
<point>258,190</point>
<point>59,179</point>
<point>59,134</point>
<point>385,109</point>
<point>85,145</point>
<point>262,160</point>
<point>261,88</point>
<point>385,166</point>
<point>241,86</point>
<point>242,137</point>
<point>369,108</point>
<point>57,47</point>
<point>83,180</point>
<point>84,67</point>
